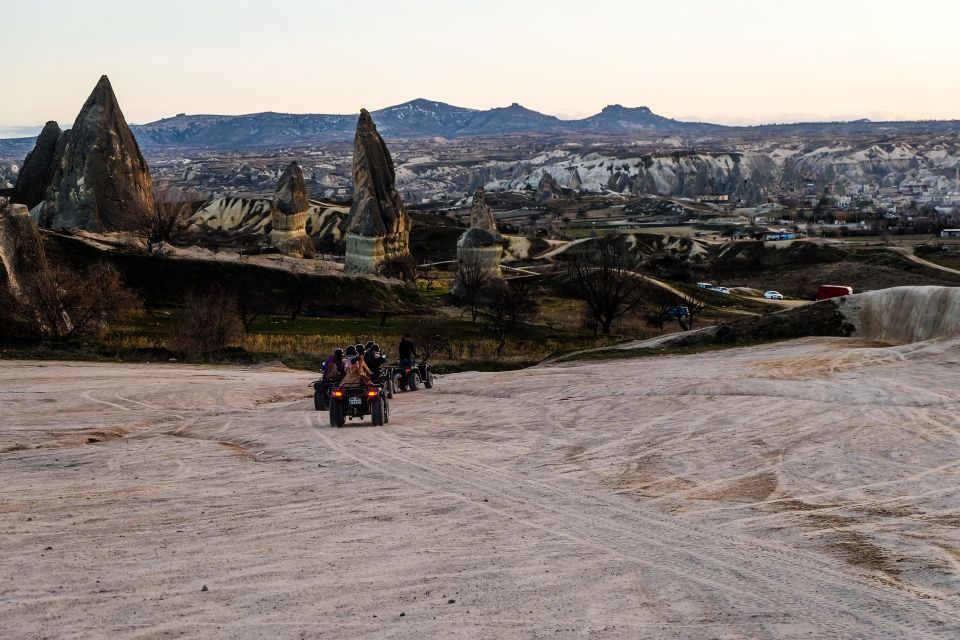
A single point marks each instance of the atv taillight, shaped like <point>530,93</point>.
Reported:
<point>407,370</point>
<point>371,394</point>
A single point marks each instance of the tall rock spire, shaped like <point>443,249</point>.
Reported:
<point>288,215</point>
<point>480,248</point>
<point>481,217</point>
<point>37,168</point>
<point>378,226</point>
<point>100,179</point>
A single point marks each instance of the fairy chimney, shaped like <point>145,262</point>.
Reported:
<point>481,246</point>
<point>288,215</point>
<point>378,225</point>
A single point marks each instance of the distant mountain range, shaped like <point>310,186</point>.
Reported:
<point>414,119</point>
<point>426,118</point>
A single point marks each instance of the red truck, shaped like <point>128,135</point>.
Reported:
<point>833,291</point>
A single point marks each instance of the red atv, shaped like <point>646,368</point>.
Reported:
<point>358,401</point>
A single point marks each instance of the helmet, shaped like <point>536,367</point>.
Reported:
<point>376,347</point>
<point>351,351</point>
<point>338,354</point>
<point>369,345</point>
<point>359,348</point>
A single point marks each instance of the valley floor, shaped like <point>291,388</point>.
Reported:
<point>798,490</point>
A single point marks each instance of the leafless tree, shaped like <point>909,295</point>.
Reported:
<point>509,306</point>
<point>473,277</point>
<point>430,337</point>
<point>211,321</point>
<point>602,274</point>
<point>427,274</point>
<point>61,303</point>
<point>166,223</point>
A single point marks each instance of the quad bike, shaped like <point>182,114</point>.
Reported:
<point>358,401</point>
<point>410,377</point>
<point>387,380</point>
<point>321,394</point>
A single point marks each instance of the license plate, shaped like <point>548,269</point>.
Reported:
<point>355,401</point>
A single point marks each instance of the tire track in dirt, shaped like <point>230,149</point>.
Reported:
<point>713,569</point>
<point>786,555</point>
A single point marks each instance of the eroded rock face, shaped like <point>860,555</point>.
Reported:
<point>483,227</point>
<point>288,216</point>
<point>21,249</point>
<point>34,177</point>
<point>100,180</point>
<point>548,188</point>
<point>378,228</point>
<point>291,195</point>
<point>481,217</point>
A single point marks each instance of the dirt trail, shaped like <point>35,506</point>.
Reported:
<point>717,495</point>
<point>909,253</point>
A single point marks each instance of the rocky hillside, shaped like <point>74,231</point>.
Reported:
<point>233,219</point>
<point>677,174</point>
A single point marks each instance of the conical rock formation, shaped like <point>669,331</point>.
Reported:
<point>483,227</point>
<point>37,168</point>
<point>378,227</point>
<point>100,180</point>
<point>288,215</point>
<point>480,248</point>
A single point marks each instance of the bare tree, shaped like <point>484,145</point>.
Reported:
<point>510,307</point>
<point>428,275</point>
<point>473,277</point>
<point>430,337</point>
<point>211,321</point>
<point>601,274</point>
<point>166,222</point>
<point>61,303</point>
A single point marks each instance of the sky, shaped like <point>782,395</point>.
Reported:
<point>730,61</point>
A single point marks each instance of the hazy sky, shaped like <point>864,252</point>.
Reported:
<point>730,61</point>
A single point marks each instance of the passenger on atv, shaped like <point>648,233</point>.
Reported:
<point>333,373</point>
<point>357,395</point>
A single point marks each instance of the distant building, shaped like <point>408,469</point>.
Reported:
<point>950,233</point>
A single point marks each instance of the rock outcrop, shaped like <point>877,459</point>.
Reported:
<point>481,246</point>
<point>21,250</point>
<point>378,228</point>
<point>548,188</point>
<point>288,216</point>
<point>34,177</point>
<point>100,180</point>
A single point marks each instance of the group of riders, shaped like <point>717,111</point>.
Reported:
<point>361,364</point>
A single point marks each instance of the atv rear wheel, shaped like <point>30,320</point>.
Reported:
<point>336,415</point>
<point>413,381</point>
<point>377,412</point>
<point>428,381</point>
<point>388,389</point>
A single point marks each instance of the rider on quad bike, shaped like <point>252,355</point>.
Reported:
<point>333,373</point>
<point>407,351</point>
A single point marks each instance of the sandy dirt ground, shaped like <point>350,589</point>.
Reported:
<point>800,490</point>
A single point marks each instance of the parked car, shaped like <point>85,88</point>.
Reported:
<point>720,290</point>
<point>704,285</point>
<point>677,312</point>
<point>773,295</point>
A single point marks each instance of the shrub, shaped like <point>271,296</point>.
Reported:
<point>61,303</point>
<point>211,321</point>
